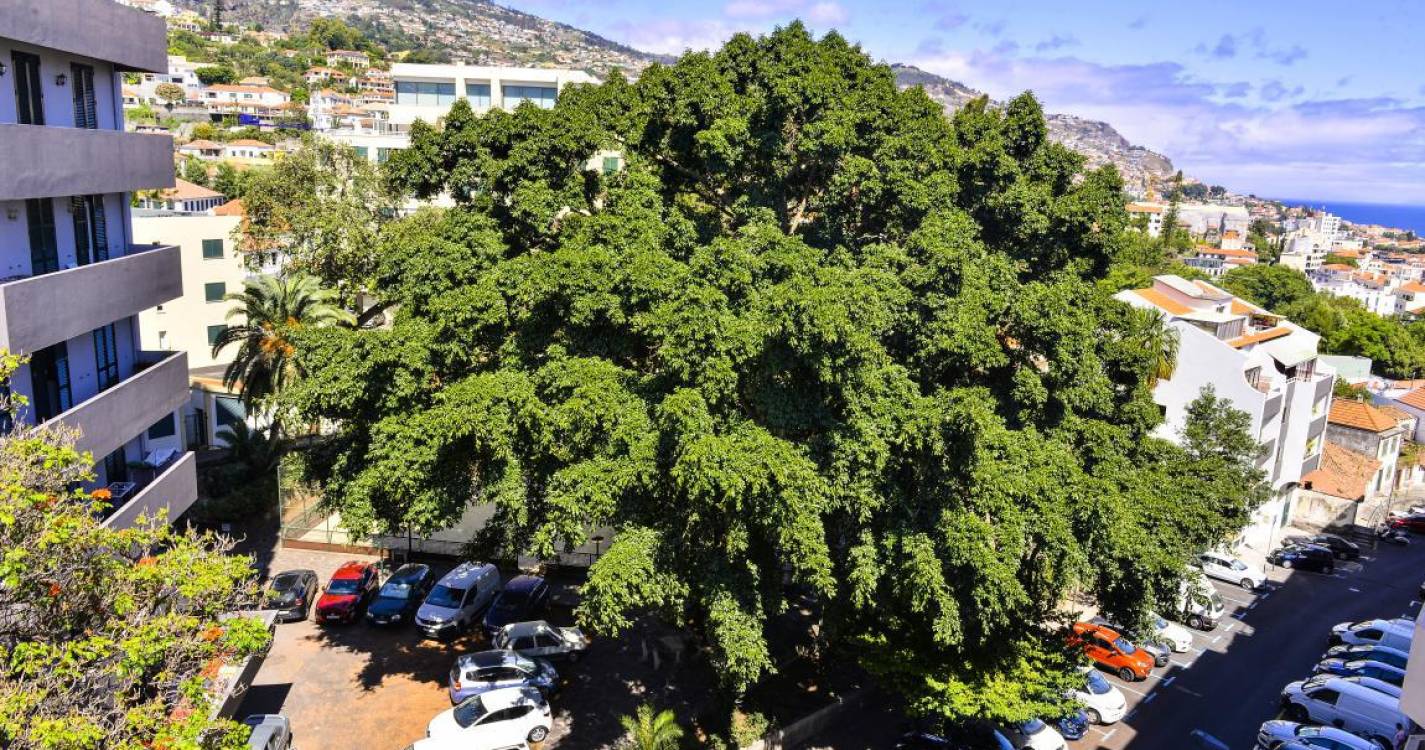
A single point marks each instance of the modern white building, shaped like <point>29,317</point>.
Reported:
<point>212,267</point>
<point>1263,365</point>
<point>75,279</point>
<point>1151,213</point>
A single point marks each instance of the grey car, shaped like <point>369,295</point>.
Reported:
<point>1276,734</point>
<point>489,670</point>
<point>538,638</point>
<point>269,732</point>
<point>291,593</point>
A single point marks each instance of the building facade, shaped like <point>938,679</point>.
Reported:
<point>75,279</point>
<point>1263,365</point>
<point>212,268</point>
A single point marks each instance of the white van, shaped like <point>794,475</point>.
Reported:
<point>1340,703</point>
<point>458,599</point>
<point>1199,605</point>
<point>1391,633</point>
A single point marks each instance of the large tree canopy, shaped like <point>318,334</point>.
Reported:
<point>812,337</point>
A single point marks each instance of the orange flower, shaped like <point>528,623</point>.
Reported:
<point>212,634</point>
<point>54,590</point>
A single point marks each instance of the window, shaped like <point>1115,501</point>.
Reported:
<point>29,96</point>
<point>541,96</point>
<point>163,428</point>
<point>212,249</point>
<point>1325,695</point>
<point>214,332</point>
<point>230,411</point>
<point>214,291</point>
<point>361,152</point>
<point>91,230</point>
<point>82,84</point>
<point>44,249</point>
<point>106,356</point>
<point>611,166</point>
<point>382,154</point>
<point>523,643</point>
<point>425,94</point>
<point>116,466</point>
<point>49,376</point>
<point>478,94</point>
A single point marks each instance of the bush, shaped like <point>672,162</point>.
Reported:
<point>747,728</point>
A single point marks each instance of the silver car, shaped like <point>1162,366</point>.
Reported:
<point>1276,733</point>
<point>538,638</point>
<point>490,670</point>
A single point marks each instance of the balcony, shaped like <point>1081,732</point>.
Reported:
<point>118,415</point>
<point>41,310</point>
<point>175,488</point>
<point>45,162</point>
<point>97,29</point>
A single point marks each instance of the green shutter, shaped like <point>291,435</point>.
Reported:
<point>212,249</point>
<point>213,292</point>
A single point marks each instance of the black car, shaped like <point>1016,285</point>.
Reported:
<point>522,599</point>
<point>291,593</point>
<point>401,596</point>
<point>1304,557</point>
<point>1341,547</point>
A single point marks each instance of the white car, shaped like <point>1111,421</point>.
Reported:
<point>1176,636</point>
<point>499,718</point>
<point>1230,569</point>
<point>1103,702</point>
<point>1035,735</point>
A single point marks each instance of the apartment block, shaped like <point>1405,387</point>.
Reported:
<point>74,278</point>
<point>1263,365</point>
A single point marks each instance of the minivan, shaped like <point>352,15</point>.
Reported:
<point>458,599</point>
<point>1391,633</point>
<point>1198,601</point>
<point>1338,702</point>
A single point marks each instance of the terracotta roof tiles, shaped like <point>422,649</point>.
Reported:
<point>1343,473</point>
<point>1415,398</point>
<point>1163,301</point>
<point>1359,415</point>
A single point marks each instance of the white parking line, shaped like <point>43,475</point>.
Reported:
<point>1186,665</point>
<point>1135,691</point>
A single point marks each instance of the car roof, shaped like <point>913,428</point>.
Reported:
<point>351,569</point>
<point>1353,686</point>
<point>409,572</point>
<point>294,573</point>
<point>523,583</point>
<point>499,698</point>
<point>463,573</point>
<point>1368,662</point>
<point>517,629</point>
<point>491,658</point>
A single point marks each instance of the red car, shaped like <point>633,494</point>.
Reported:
<point>350,589</point>
<point>1414,522</point>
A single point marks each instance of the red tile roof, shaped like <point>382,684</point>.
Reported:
<point>1343,473</point>
<point>1415,398</point>
<point>1163,301</point>
<point>1359,415</point>
<point>1259,337</point>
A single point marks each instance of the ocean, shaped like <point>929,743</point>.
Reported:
<point>1400,217</point>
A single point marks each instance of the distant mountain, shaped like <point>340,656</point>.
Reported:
<point>1096,140</point>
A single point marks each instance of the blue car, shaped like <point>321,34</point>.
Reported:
<point>523,598</point>
<point>1074,726</point>
<point>402,594</point>
<point>1362,668</point>
<point>482,672</point>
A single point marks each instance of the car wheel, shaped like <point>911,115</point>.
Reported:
<point>1196,623</point>
<point>1298,714</point>
<point>538,734</point>
<point>1127,674</point>
<point>1285,564</point>
<point>1247,584</point>
<point>1094,718</point>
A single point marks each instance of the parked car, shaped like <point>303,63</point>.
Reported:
<point>1384,654</point>
<point>1108,649</point>
<point>1103,703</point>
<point>1363,668</point>
<point>539,639</point>
<point>1198,603</point>
<point>351,587</point>
<point>269,732</point>
<point>1304,557</point>
<point>1413,522</point>
<point>522,599</point>
<point>980,739</point>
<point>1341,547</point>
<point>401,595</point>
<point>1174,635</point>
<point>491,670</point>
<point>1275,734</point>
<point>1334,701</point>
<point>1230,569</point>
<point>457,601</point>
<point>1162,653</point>
<point>1392,633</point>
<point>291,593</point>
<point>496,719</point>
<point>1035,735</point>
<point>1073,726</point>
<point>1161,640</point>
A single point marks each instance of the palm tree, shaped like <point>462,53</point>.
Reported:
<point>273,307</point>
<point>1149,330</point>
<point>650,731</point>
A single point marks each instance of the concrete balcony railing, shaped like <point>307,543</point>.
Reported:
<point>175,488</point>
<point>41,310</point>
<point>97,29</point>
<point>47,162</point>
<point>119,414</point>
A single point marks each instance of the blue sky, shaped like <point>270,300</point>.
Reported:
<point>1303,99</point>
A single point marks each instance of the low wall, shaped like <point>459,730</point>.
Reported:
<point>810,725</point>
<point>1314,511</point>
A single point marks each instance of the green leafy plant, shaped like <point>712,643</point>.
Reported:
<point>648,729</point>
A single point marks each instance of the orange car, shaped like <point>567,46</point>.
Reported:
<point>1109,649</point>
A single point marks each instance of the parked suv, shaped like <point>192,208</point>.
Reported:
<point>458,599</point>
<point>1109,649</point>
<point>1199,603</point>
<point>1230,569</point>
<point>1304,557</point>
<point>351,587</point>
<point>523,598</point>
<point>401,595</point>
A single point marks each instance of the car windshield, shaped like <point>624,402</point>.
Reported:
<point>1097,684</point>
<point>469,712</point>
<point>511,600</point>
<point>344,586</point>
<point>1160,624</point>
<point>397,590</point>
<point>282,583</point>
<point>1238,564</point>
<point>445,596</point>
<point>1033,726</point>
<point>1125,646</point>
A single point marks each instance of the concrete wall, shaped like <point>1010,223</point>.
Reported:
<point>181,324</point>
<point>99,29</point>
<point>114,417</point>
<point>1314,511</point>
<point>42,161</point>
<point>175,489</point>
<point>42,310</point>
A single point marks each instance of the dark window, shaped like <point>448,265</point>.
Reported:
<point>230,410</point>
<point>44,249</point>
<point>214,332</point>
<point>163,428</point>
<point>29,97</point>
<point>212,249</point>
<point>116,467</point>
<point>85,112</point>
<point>1325,695</point>
<point>1370,634</point>
<point>478,94</point>
<point>49,376</point>
<point>524,643</point>
<point>106,356</point>
<point>91,230</point>
<point>516,712</point>
<point>545,641</point>
<point>213,292</point>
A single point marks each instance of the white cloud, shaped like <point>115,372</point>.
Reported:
<point>817,12</point>
<point>672,36</point>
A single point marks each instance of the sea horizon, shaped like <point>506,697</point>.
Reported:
<point>1385,214</point>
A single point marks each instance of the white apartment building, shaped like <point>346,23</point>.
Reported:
<point>1152,213</point>
<point>75,279</point>
<point>1215,261</point>
<point>1377,292</point>
<point>1263,365</point>
<point>212,268</point>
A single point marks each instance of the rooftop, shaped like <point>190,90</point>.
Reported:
<point>1359,415</point>
<point>184,190</point>
<point>1415,398</point>
<point>1344,473</point>
<point>201,145</point>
